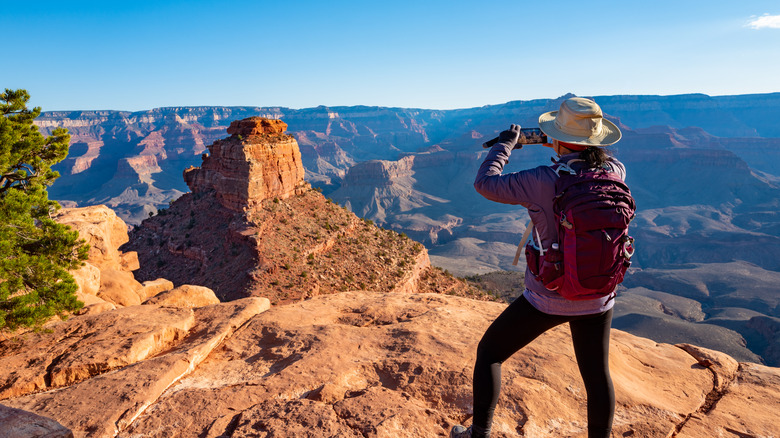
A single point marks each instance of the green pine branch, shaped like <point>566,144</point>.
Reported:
<point>36,252</point>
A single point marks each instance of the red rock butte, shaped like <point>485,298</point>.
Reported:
<point>257,162</point>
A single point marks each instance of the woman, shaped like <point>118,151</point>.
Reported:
<point>579,134</point>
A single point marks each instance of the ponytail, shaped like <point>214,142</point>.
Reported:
<point>595,157</point>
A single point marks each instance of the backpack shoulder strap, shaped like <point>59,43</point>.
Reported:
<point>520,247</point>
<point>559,167</point>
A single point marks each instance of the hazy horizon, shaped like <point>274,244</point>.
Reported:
<point>43,110</point>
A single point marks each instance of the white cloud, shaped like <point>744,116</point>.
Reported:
<point>765,21</point>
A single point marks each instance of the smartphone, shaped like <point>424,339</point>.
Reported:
<point>527,136</point>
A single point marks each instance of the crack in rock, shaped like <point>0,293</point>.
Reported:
<point>721,381</point>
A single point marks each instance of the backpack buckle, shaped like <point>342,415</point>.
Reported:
<point>566,224</point>
<point>628,247</point>
<point>566,167</point>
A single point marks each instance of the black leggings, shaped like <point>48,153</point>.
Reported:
<point>520,324</point>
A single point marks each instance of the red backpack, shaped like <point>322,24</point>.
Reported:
<point>593,208</point>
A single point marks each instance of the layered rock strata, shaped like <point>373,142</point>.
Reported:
<point>258,161</point>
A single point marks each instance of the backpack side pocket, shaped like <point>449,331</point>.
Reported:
<point>532,259</point>
<point>551,269</point>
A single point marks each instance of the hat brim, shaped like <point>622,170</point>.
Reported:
<point>610,133</point>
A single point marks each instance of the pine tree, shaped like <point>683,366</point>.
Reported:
<point>35,251</point>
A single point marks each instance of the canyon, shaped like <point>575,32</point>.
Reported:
<point>704,171</point>
<point>334,352</point>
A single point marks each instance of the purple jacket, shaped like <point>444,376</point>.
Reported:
<point>534,189</point>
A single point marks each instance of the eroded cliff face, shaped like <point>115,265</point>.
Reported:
<point>377,173</point>
<point>333,139</point>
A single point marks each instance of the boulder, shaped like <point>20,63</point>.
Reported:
<point>87,278</point>
<point>120,288</point>
<point>129,261</point>
<point>93,304</point>
<point>154,287</point>
<point>93,308</point>
<point>186,296</point>
<point>106,279</point>
<point>89,300</point>
<point>103,231</point>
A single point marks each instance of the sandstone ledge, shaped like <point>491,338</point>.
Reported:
<point>111,400</point>
<point>256,126</point>
<point>394,364</point>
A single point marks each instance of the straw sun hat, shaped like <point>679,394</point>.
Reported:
<point>579,121</point>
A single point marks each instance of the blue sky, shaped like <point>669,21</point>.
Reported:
<point>137,55</point>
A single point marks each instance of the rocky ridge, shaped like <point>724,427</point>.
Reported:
<point>252,227</point>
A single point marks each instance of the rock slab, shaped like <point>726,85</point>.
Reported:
<point>363,364</point>
<point>109,402</point>
<point>390,364</point>
<point>88,345</point>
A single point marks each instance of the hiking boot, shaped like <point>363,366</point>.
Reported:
<point>471,432</point>
<point>460,432</point>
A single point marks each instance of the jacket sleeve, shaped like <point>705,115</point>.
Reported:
<point>513,188</point>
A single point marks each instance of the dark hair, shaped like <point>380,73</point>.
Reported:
<point>595,156</point>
